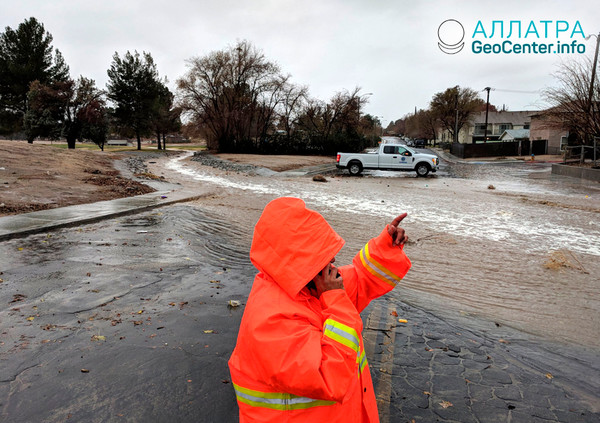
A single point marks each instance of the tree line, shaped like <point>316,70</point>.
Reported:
<point>449,110</point>
<point>235,98</point>
<point>38,98</point>
<point>242,102</point>
<point>573,105</point>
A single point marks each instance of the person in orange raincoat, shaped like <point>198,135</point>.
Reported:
<point>300,355</point>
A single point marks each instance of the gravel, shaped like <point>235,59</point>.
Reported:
<point>210,160</point>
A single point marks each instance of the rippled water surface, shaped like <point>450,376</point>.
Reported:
<point>509,242</point>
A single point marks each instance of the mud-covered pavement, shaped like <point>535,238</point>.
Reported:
<point>128,319</point>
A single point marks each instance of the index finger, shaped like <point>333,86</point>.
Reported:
<point>398,219</point>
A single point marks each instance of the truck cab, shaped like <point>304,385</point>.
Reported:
<point>395,157</point>
<point>389,156</point>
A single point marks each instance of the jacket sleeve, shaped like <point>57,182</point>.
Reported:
<point>375,270</point>
<point>306,359</point>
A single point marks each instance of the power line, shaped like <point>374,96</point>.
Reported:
<point>516,91</point>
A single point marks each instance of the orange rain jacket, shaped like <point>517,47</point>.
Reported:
<point>300,358</point>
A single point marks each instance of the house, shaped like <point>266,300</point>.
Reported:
<point>542,129</point>
<point>519,135</point>
<point>515,135</point>
<point>498,122</point>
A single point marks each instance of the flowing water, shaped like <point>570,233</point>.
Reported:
<point>508,242</point>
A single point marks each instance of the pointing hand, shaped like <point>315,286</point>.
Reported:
<point>398,235</point>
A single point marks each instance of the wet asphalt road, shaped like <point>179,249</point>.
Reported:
<point>124,320</point>
<point>128,320</point>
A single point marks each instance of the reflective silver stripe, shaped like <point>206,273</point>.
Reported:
<point>373,267</point>
<point>276,400</point>
<point>347,336</point>
<point>260,399</point>
<point>363,360</point>
<point>343,333</point>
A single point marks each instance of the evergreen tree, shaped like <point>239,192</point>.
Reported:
<point>165,117</point>
<point>134,88</point>
<point>26,55</point>
<point>70,109</point>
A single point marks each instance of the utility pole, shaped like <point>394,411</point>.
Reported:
<point>590,108</point>
<point>456,118</point>
<point>487,107</point>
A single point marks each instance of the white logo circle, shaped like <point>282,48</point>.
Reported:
<point>451,35</point>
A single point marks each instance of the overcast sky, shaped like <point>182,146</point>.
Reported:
<point>387,47</point>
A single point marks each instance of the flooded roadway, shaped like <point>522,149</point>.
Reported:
<point>129,318</point>
<point>508,242</point>
<point>123,320</point>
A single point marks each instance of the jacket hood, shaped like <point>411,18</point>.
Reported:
<point>291,243</point>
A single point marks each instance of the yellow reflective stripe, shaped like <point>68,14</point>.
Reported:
<point>349,337</point>
<point>362,361</point>
<point>376,268</point>
<point>276,400</point>
<point>342,333</point>
<point>395,278</point>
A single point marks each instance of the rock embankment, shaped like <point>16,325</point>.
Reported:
<point>212,161</point>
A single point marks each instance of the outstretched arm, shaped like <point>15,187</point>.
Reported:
<point>378,267</point>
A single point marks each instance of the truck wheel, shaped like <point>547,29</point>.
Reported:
<point>355,168</point>
<point>422,169</point>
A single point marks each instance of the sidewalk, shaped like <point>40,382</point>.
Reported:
<point>546,158</point>
<point>30,223</point>
<point>44,220</point>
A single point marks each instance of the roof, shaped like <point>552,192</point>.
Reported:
<point>516,118</point>
<point>516,134</point>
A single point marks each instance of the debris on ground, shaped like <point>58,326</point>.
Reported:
<point>564,259</point>
<point>17,298</point>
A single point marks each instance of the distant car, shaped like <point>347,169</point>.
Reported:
<point>420,143</point>
<point>410,143</point>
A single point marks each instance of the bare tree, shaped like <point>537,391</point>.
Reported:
<point>336,123</point>
<point>231,93</point>
<point>423,124</point>
<point>572,108</point>
<point>294,99</point>
<point>454,107</point>
<point>269,109</point>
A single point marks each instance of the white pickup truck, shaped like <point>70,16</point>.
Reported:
<point>389,157</point>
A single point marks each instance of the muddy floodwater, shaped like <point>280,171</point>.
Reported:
<point>133,318</point>
<point>508,242</point>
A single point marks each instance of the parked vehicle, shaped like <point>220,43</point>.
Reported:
<point>420,143</point>
<point>389,157</point>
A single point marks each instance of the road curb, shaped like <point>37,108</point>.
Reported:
<point>25,224</point>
